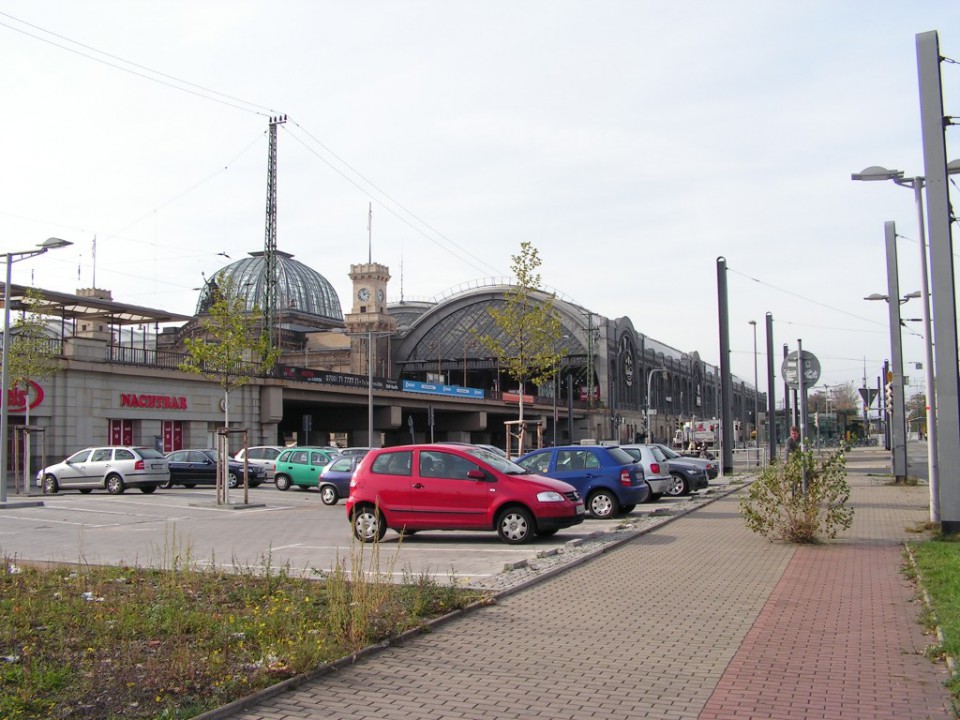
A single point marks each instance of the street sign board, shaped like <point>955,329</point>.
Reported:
<point>811,370</point>
<point>868,395</point>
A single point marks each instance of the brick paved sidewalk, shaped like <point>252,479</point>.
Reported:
<point>698,619</point>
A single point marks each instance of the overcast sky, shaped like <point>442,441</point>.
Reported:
<point>631,142</point>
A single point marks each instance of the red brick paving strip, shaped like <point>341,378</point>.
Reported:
<point>824,647</point>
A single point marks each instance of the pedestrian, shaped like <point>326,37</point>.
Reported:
<point>793,442</point>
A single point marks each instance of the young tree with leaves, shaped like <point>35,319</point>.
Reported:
<point>32,356</point>
<point>232,348</point>
<point>529,327</point>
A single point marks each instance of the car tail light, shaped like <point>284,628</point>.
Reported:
<point>655,468</point>
<point>625,479</point>
<point>138,465</point>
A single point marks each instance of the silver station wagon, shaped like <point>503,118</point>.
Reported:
<point>111,468</point>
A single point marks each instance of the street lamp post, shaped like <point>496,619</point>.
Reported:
<point>876,172</point>
<point>11,257</point>
<point>756,393</point>
<point>649,390</point>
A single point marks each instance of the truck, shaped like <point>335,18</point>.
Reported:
<point>699,432</point>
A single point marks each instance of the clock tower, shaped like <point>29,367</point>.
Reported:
<point>369,315</point>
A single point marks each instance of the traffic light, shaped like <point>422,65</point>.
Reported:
<point>888,397</point>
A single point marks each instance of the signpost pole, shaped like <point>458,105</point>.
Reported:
<point>801,369</point>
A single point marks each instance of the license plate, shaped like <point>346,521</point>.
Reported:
<point>157,466</point>
<point>580,510</point>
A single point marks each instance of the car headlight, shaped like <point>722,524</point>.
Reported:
<point>550,496</point>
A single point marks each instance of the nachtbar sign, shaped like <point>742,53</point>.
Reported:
<point>159,402</point>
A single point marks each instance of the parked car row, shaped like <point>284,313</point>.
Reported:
<point>442,486</point>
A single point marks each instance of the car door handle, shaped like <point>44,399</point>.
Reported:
<point>418,486</point>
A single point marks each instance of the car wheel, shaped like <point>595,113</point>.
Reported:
<point>115,485</point>
<point>147,489</point>
<point>678,485</point>
<point>168,484</point>
<point>50,485</point>
<point>515,525</point>
<point>625,509</point>
<point>328,495</point>
<point>368,524</point>
<point>603,504</point>
<point>233,481</point>
<point>283,482</point>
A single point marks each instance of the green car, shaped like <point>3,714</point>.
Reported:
<point>301,466</point>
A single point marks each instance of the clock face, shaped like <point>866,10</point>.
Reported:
<point>364,294</point>
<point>380,295</point>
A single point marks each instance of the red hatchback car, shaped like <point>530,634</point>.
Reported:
<point>452,487</point>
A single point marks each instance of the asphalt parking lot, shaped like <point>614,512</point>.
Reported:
<point>281,530</point>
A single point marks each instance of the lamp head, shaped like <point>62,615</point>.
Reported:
<point>53,243</point>
<point>876,172</point>
<point>877,296</point>
<point>911,296</point>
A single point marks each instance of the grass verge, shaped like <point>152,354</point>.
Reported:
<point>84,642</point>
<point>938,562</point>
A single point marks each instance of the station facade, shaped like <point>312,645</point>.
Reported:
<point>410,370</point>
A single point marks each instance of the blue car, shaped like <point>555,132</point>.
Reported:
<point>334,482</point>
<point>606,477</point>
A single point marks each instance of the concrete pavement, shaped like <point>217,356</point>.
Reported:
<point>699,618</point>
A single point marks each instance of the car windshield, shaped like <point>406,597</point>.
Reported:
<point>620,455</point>
<point>667,451</point>
<point>497,462</point>
<point>633,452</point>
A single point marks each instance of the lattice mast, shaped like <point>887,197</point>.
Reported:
<point>270,235</point>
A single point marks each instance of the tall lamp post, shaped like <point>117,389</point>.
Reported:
<point>756,393</point>
<point>649,390</point>
<point>877,172</point>
<point>11,257</point>
<point>896,414</point>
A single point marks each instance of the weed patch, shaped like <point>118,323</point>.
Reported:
<point>85,642</point>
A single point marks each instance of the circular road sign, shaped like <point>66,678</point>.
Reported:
<point>811,370</point>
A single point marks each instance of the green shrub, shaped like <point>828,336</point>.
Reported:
<point>777,507</point>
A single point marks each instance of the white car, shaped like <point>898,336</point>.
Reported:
<point>264,456</point>
<point>656,468</point>
<point>113,468</point>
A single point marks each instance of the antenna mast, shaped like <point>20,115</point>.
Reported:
<point>370,232</point>
<point>270,235</point>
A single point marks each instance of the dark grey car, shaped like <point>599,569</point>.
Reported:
<point>689,474</point>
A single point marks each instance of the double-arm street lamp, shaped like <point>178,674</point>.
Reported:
<point>873,173</point>
<point>11,257</point>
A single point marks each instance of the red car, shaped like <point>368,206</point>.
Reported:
<point>449,487</point>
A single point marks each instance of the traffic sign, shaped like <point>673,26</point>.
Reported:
<point>811,370</point>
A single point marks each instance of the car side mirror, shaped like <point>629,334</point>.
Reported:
<point>476,475</point>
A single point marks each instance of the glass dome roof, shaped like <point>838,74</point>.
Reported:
<point>299,288</point>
